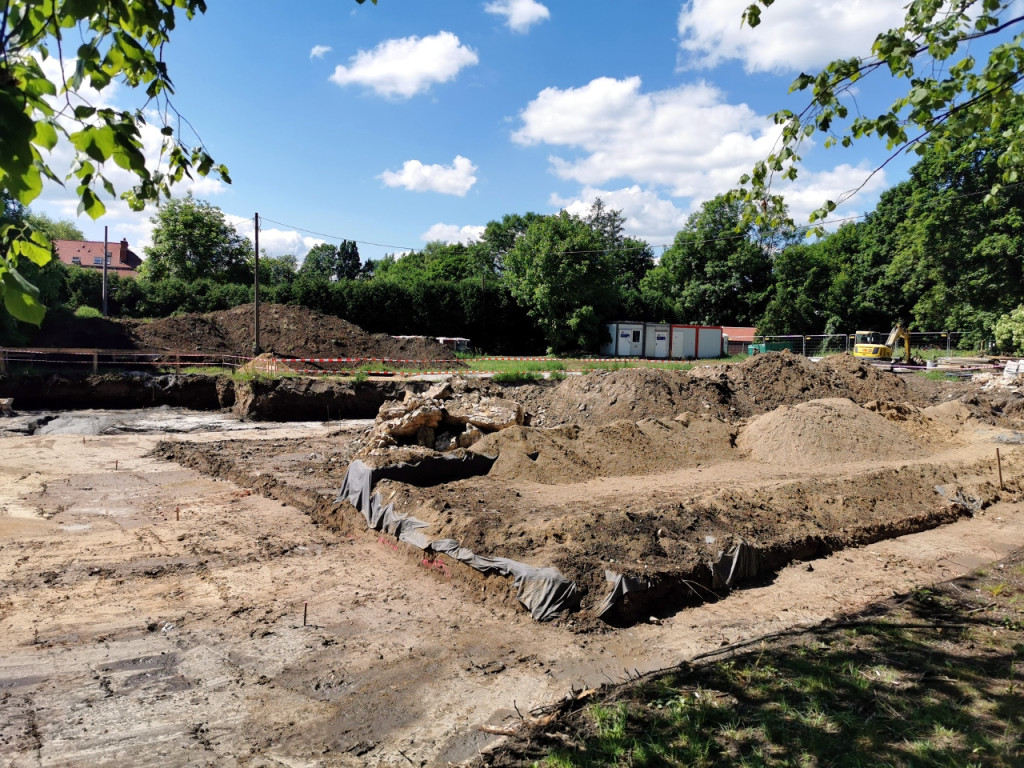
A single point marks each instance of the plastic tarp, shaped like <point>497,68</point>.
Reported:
<point>740,563</point>
<point>728,568</point>
<point>544,592</point>
<point>621,585</point>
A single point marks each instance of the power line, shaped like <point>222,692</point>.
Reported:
<point>336,237</point>
<point>802,229</point>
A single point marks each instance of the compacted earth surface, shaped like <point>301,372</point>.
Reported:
<point>208,598</point>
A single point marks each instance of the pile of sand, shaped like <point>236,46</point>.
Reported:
<point>731,390</point>
<point>825,432</point>
<point>571,454</point>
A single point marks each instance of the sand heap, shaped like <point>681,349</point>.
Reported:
<point>573,454</point>
<point>729,391</point>
<point>826,432</point>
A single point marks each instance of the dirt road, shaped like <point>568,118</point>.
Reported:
<point>151,615</point>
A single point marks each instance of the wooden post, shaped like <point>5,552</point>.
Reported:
<point>95,361</point>
<point>999,469</point>
<point>305,609</point>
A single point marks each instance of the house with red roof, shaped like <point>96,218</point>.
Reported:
<point>121,260</point>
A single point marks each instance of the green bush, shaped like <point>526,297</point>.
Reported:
<point>87,311</point>
<point>1009,332</point>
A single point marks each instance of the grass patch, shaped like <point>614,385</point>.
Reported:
<point>936,679</point>
<point>517,377</point>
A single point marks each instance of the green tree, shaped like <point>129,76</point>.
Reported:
<point>957,256</point>
<point>191,240</point>
<point>952,95</point>
<point>558,269</point>
<point>798,294</point>
<point>54,230</point>
<point>325,261</point>
<point>1009,332</point>
<point>275,270</point>
<point>717,270</point>
<point>113,42</point>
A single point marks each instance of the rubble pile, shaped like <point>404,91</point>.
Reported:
<point>441,420</point>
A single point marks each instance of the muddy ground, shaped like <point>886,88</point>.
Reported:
<point>151,609</point>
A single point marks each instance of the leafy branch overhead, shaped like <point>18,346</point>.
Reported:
<point>954,93</point>
<point>42,82</point>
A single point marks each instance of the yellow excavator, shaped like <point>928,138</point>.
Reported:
<point>868,345</point>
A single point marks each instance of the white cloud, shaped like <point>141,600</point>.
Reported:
<point>61,202</point>
<point>686,139</point>
<point>276,242</point>
<point>454,179</point>
<point>793,35</point>
<point>855,184</point>
<point>319,51</point>
<point>649,217</point>
<point>520,15</point>
<point>453,233</point>
<point>407,66</point>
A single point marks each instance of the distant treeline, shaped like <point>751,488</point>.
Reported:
<point>939,252</point>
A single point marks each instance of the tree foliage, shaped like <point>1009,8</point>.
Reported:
<point>326,261</point>
<point>62,229</point>
<point>956,93</point>
<point>192,240</point>
<point>95,43</point>
<point>717,270</point>
<point>559,269</point>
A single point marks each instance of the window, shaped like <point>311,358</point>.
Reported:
<point>636,336</point>
<point>98,261</point>
<point>76,260</point>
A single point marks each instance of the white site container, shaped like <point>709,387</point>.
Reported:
<point>628,338</point>
<point>709,342</point>
<point>683,342</point>
<point>657,340</point>
<point>692,342</point>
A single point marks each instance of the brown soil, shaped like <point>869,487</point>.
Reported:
<point>153,614</point>
<point>286,331</point>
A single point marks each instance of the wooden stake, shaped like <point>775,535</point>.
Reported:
<point>999,468</point>
<point>177,513</point>
<point>305,609</point>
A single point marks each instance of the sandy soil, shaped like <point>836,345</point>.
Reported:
<point>130,635</point>
<point>154,614</point>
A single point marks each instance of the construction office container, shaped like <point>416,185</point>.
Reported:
<point>627,340</point>
<point>657,341</point>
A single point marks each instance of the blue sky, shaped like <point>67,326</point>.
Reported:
<point>397,124</point>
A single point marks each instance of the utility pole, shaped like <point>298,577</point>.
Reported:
<point>256,290</point>
<point>106,258</point>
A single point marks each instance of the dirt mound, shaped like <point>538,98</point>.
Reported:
<point>631,394</point>
<point>286,331</point>
<point>734,390</point>
<point>571,454</point>
<point>781,378</point>
<point>823,432</point>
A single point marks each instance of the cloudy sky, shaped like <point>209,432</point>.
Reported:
<point>406,122</point>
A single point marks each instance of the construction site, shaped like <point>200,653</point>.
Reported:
<point>286,571</point>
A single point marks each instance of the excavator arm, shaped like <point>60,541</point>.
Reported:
<point>896,334</point>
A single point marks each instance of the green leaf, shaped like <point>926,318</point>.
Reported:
<point>36,249</point>
<point>46,135</point>
<point>90,204</point>
<point>21,298</point>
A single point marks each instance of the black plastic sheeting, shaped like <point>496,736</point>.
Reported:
<point>544,592</point>
<point>728,569</point>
